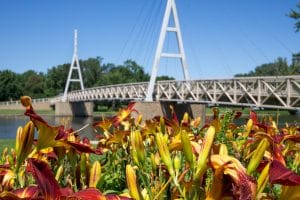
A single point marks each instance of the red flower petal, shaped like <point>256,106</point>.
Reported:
<point>281,175</point>
<point>9,196</point>
<point>253,116</point>
<point>82,148</point>
<point>66,192</point>
<point>294,138</point>
<point>116,197</point>
<point>45,178</point>
<point>28,192</point>
<point>88,194</point>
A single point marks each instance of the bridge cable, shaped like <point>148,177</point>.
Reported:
<point>154,37</point>
<point>142,30</point>
<point>273,36</point>
<point>191,45</point>
<point>246,36</point>
<point>151,34</point>
<point>141,11</point>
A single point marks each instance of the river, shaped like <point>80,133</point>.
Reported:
<point>9,124</point>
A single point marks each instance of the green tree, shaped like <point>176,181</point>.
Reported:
<point>164,78</point>
<point>56,79</point>
<point>129,72</point>
<point>10,86</point>
<point>91,71</point>
<point>277,68</point>
<point>136,71</point>
<point>295,67</point>
<point>33,84</point>
<point>94,73</point>
<point>295,14</point>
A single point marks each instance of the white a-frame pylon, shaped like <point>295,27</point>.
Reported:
<point>170,8</point>
<point>74,66</point>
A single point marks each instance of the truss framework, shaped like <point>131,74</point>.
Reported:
<point>269,92</point>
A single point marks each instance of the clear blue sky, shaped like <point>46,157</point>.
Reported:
<point>221,37</point>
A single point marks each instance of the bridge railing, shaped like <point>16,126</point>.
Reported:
<point>17,102</point>
<point>273,92</point>
<point>126,91</point>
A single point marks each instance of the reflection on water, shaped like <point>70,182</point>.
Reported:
<point>10,124</point>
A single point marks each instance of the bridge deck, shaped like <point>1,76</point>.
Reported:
<point>281,92</point>
<point>270,92</point>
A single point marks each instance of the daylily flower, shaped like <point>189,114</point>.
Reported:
<point>244,186</point>
<point>263,178</point>
<point>24,142</point>
<point>205,150</point>
<point>123,114</point>
<point>52,136</point>
<point>132,183</point>
<point>138,148</point>
<point>95,174</point>
<point>257,155</point>
<point>45,179</point>
<point>8,178</point>
<point>281,175</point>
<point>105,125</point>
<point>162,145</point>
<point>187,148</point>
<point>28,192</point>
<point>5,195</point>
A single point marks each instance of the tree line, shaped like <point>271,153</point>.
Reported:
<point>95,73</point>
<point>279,67</point>
<point>52,83</point>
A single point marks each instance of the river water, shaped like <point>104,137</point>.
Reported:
<point>9,124</point>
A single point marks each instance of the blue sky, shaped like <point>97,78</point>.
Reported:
<point>221,38</point>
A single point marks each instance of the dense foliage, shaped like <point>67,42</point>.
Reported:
<point>295,14</point>
<point>52,83</point>
<point>156,159</point>
<point>279,67</point>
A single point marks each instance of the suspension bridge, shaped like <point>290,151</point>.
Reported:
<point>280,92</point>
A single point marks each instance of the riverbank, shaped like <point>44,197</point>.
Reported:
<point>209,112</point>
<point>50,112</point>
<point>4,112</point>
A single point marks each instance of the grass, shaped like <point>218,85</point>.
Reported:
<point>21,112</point>
<point>246,111</point>
<point>50,112</point>
<point>9,143</point>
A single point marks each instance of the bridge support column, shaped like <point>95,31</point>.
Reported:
<point>78,109</point>
<point>151,109</point>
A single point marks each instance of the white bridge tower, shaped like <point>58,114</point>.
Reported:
<point>74,66</point>
<point>170,8</point>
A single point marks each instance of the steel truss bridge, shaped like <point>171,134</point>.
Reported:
<point>278,92</point>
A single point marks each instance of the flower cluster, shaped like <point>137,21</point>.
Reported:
<point>153,159</point>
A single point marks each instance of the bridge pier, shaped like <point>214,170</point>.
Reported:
<point>151,109</point>
<point>78,109</point>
